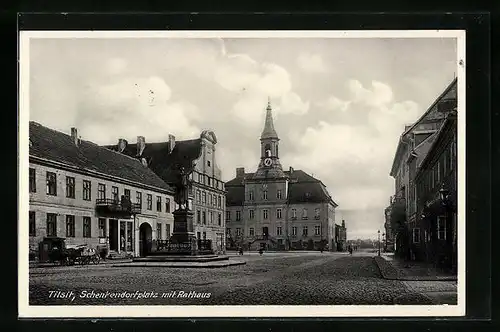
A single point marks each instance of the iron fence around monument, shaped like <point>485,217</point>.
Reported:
<point>174,246</point>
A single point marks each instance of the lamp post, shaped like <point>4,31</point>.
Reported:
<point>384,241</point>
<point>378,232</point>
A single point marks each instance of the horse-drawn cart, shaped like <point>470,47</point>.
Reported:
<point>72,254</point>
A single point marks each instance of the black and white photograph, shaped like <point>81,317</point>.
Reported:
<point>242,173</point>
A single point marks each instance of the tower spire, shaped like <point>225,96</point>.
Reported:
<point>269,131</point>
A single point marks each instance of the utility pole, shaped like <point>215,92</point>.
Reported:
<point>378,242</point>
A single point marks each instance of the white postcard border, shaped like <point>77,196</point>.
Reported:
<point>28,311</point>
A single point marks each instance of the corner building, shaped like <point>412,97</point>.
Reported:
<point>78,191</point>
<point>276,209</point>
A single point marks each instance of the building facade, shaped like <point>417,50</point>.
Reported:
<point>90,195</point>
<point>208,189</point>
<point>435,234</point>
<point>341,236</point>
<point>413,146</point>
<point>276,209</point>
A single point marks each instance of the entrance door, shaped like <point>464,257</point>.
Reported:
<point>113,234</point>
<point>265,232</point>
<point>145,238</point>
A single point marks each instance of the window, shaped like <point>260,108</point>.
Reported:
<point>198,216</point>
<point>294,213</point>
<point>278,213</point>
<point>87,186</point>
<point>32,180</point>
<point>278,194</point>
<point>101,191</point>
<point>70,226</point>
<point>51,184</point>
<point>250,195</point>
<point>238,232</point>
<point>208,164</point>
<point>32,224</point>
<point>114,194</point>
<point>158,231</point>
<point>238,215</point>
<point>264,195</point>
<point>158,203</point>
<point>102,227</point>
<point>167,205</point>
<point>416,235</point>
<point>167,231</point>
<point>279,231</point>
<point>51,224</point>
<point>210,200</point>
<point>294,230</point>
<point>199,178</point>
<point>219,201</point>
<point>304,214</point>
<point>304,231</point>
<point>228,215</point>
<point>265,214</point>
<point>126,193</point>
<point>204,197</point>
<point>219,219</point>
<point>252,232</point>
<point>208,181</point>
<point>150,201</point>
<point>204,235</point>
<point>198,196</point>
<point>138,198</point>
<point>316,213</point>
<point>441,228</point>
<point>438,171</point>
<point>204,218</point>
<point>87,232</point>
<point>70,187</point>
<point>317,230</point>
<point>251,214</point>
<point>211,217</point>
<point>215,199</point>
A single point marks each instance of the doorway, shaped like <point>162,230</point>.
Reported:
<point>145,238</point>
<point>113,234</point>
<point>265,232</point>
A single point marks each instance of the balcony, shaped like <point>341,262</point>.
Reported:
<point>117,208</point>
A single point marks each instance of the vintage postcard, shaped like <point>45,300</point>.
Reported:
<point>242,173</point>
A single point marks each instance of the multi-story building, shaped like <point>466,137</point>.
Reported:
<point>208,190</point>
<point>90,195</point>
<point>435,233</point>
<point>341,236</point>
<point>278,209</point>
<point>412,148</point>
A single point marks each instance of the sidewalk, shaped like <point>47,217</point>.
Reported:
<point>397,269</point>
<point>101,262</point>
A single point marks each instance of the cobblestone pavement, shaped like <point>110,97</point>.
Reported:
<point>274,278</point>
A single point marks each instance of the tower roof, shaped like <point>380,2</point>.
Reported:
<point>269,131</point>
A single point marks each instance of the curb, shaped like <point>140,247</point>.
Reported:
<point>191,266</point>
<point>389,272</point>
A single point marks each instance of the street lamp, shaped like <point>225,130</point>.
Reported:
<point>378,232</point>
<point>444,194</point>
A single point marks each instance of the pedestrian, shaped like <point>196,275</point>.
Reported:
<point>350,250</point>
<point>241,251</point>
<point>261,251</point>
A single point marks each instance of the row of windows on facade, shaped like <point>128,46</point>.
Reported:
<point>441,227</point>
<point>208,181</point>
<point>51,226</point>
<point>279,231</point>
<point>213,199</point>
<point>279,214</point>
<point>251,196</point>
<point>201,217</point>
<point>432,178</point>
<point>51,186</point>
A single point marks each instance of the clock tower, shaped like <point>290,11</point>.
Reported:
<point>269,165</point>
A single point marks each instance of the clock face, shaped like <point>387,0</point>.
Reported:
<point>268,162</point>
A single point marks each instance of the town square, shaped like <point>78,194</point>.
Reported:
<point>242,171</point>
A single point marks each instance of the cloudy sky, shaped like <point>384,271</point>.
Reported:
<point>339,104</point>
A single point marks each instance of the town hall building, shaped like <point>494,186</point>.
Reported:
<point>276,209</point>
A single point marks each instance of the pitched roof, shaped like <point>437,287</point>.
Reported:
<point>161,161</point>
<point>302,188</point>
<point>57,146</point>
<point>269,131</point>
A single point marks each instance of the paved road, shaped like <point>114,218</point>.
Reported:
<point>271,279</point>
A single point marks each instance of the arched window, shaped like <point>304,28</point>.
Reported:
<point>277,155</point>
<point>267,150</point>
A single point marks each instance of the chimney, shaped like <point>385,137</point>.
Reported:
<point>141,144</point>
<point>74,136</point>
<point>171,143</point>
<point>122,144</point>
<point>240,172</point>
<point>291,170</point>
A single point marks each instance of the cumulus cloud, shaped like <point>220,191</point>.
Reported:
<point>312,63</point>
